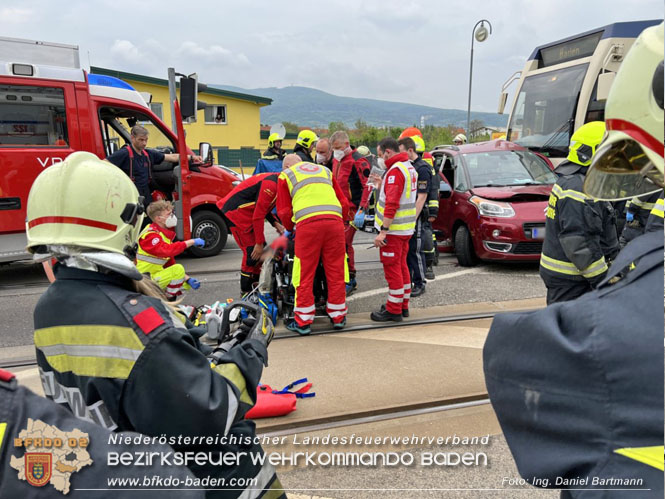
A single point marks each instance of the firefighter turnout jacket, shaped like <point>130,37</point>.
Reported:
<point>250,203</point>
<point>582,403</point>
<point>125,361</point>
<point>32,424</point>
<point>574,227</point>
<point>655,220</point>
<point>435,184</point>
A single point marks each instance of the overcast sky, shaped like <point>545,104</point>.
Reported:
<point>414,51</point>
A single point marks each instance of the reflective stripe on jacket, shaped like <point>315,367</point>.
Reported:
<point>311,189</point>
<point>145,262</point>
<point>574,227</point>
<point>126,362</point>
<point>404,222</point>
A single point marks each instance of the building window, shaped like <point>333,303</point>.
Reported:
<point>215,115</point>
<point>156,107</point>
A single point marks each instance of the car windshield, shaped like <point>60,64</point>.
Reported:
<point>544,113</point>
<point>506,168</point>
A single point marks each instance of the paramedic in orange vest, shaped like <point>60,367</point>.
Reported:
<point>156,251</point>
<point>396,220</point>
<point>309,197</point>
<point>245,208</point>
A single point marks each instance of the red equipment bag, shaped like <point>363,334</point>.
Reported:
<point>272,403</point>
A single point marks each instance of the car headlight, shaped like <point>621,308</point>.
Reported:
<point>488,208</point>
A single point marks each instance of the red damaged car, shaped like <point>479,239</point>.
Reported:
<point>493,200</point>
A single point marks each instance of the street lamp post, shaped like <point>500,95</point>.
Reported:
<point>481,35</point>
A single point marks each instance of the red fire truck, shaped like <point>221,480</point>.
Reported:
<point>50,107</point>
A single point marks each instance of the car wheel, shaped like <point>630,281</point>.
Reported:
<point>466,256</point>
<point>210,227</point>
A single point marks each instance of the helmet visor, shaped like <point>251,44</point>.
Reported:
<point>621,170</point>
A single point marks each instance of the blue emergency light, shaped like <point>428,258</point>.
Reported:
<point>108,81</point>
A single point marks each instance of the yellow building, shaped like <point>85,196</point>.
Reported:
<point>231,121</point>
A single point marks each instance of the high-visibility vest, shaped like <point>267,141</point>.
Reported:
<point>145,262</point>
<point>312,191</point>
<point>405,218</point>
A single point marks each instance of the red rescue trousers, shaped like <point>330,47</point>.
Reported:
<point>349,233</point>
<point>319,240</point>
<point>393,257</point>
<point>246,241</point>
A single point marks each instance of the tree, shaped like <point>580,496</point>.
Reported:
<point>335,126</point>
<point>290,127</point>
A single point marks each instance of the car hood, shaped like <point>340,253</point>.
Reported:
<point>516,193</point>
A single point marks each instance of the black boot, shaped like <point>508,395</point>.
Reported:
<point>384,316</point>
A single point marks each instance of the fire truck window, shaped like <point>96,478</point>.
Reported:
<point>118,122</point>
<point>32,116</point>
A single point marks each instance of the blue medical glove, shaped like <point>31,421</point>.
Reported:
<point>194,283</point>
<point>290,234</point>
<point>359,219</point>
<point>629,216</point>
<point>199,242</point>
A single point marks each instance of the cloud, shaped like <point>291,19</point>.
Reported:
<point>126,50</point>
<point>212,54</point>
<point>15,15</point>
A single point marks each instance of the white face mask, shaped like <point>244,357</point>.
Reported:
<point>382,163</point>
<point>338,154</point>
<point>321,159</point>
<point>172,221</point>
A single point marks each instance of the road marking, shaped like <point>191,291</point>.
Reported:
<point>380,291</point>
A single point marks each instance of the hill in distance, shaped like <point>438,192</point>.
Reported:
<point>315,108</point>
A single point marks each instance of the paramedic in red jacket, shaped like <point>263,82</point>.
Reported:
<point>309,199</point>
<point>395,219</point>
<point>246,207</point>
<point>350,170</point>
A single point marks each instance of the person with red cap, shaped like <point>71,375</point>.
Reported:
<point>309,198</point>
<point>396,220</point>
<point>246,207</point>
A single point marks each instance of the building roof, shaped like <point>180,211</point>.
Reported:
<point>261,101</point>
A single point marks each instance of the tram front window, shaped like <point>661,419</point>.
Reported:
<point>544,114</point>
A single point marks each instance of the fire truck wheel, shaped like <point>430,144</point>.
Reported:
<point>210,227</point>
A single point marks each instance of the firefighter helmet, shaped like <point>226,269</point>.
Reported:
<point>412,131</point>
<point>460,137</point>
<point>364,150</point>
<point>420,143</point>
<point>629,162</point>
<point>274,137</point>
<point>84,202</point>
<point>584,141</point>
<point>306,138</point>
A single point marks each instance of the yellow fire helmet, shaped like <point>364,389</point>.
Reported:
<point>629,162</point>
<point>584,141</point>
<point>306,138</point>
<point>460,137</point>
<point>420,143</point>
<point>84,202</point>
<point>274,137</point>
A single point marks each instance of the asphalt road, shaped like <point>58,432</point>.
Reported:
<point>21,285</point>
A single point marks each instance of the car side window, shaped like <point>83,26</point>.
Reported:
<point>460,178</point>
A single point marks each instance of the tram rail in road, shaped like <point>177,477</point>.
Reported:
<point>282,334</point>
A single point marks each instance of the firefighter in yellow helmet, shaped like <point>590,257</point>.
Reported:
<point>274,150</point>
<point>124,359</point>
<point>305,143</point>
<point>580,233</point>
<point>584,397</point>
<point>460,139</point>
